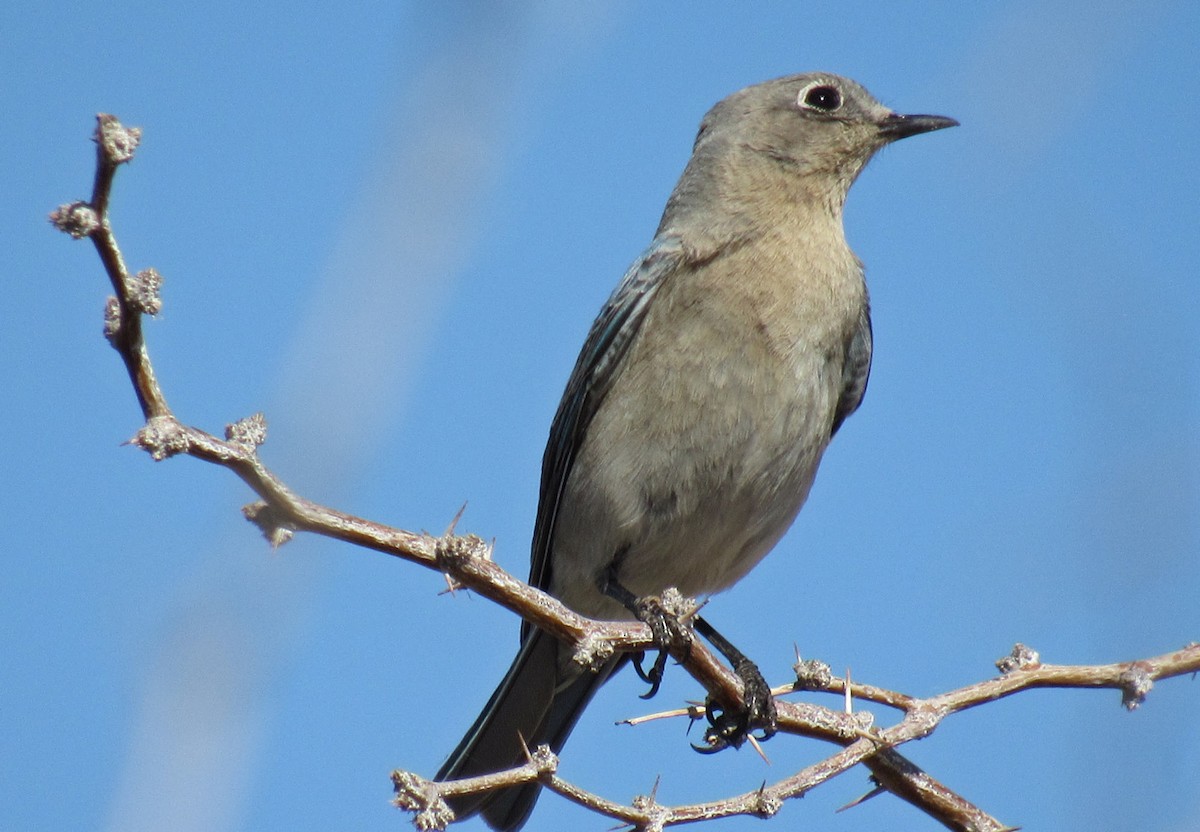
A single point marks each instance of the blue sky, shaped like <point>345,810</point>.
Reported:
<point>389,226</point>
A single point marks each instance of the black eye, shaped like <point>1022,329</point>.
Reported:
<point>825,99</point>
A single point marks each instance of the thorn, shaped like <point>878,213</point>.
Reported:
<point>849,698</point>
<point>454,522</point>
<point>878,790</point>
<point>757,747</point>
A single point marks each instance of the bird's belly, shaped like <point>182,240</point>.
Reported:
<point>725,533</point>
<point>695,501</point>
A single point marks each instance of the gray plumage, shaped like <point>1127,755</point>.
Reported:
<point>705,395</point>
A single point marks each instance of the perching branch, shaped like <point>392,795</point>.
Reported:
<point>1021,670</point>
<point>466,560</point>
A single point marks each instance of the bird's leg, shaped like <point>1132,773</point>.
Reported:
<point>665,626</point>
<point>726,728</point>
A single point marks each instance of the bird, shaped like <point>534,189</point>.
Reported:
<point>703,399</point>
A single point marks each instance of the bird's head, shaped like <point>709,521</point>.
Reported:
<point>817,125</point>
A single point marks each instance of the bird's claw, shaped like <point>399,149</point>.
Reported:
<point>655,675</point>
<point>668,632</point>
<point>731,728</point>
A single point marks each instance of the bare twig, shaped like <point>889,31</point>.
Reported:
<point>466,562</point>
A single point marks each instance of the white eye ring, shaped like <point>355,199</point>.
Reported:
<point>821,97</point>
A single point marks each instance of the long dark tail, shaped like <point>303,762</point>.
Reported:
<point>534,702</point>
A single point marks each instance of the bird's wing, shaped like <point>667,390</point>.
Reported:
<point>855,371</point>
<point>596,368</point>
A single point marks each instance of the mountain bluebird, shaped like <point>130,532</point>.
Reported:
<point>708,389</point>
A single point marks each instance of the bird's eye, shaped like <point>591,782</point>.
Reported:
<point>822,97</point>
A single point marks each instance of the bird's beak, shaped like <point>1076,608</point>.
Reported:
<point>896,126</point>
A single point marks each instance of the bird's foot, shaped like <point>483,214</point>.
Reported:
<point>730,728</point>
<point>665,620</point>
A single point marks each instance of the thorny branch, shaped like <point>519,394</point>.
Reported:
<point>466,560</point>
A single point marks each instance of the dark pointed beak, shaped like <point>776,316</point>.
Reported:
<point>896,126</point>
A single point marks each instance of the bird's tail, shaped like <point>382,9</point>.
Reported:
<point>533,703</point>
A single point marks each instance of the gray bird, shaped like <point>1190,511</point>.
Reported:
<point>708,389</point>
